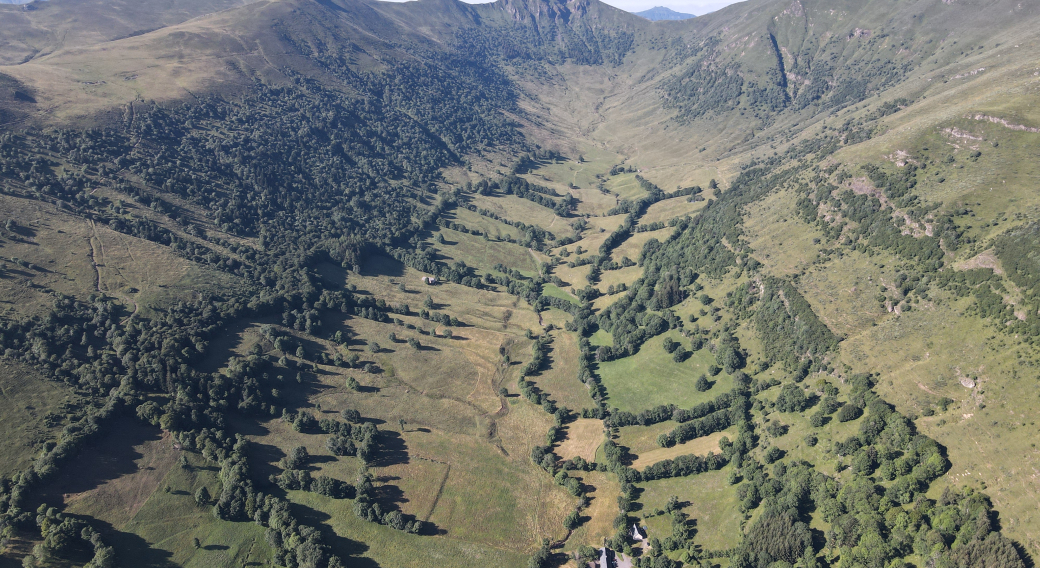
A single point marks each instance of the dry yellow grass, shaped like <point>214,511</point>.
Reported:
<point>601,510</point>
<point>574,278</point>
<point>517,209</point>
<point>583,437</point>
<point>560,378</point>
<point>485,309</point>
<point>669,209</point>
<point>634,244</point>
<point>698,446</point>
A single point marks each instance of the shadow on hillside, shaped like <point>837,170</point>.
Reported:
<point>383,266</point>
<point>222,347</point>
<point>350,550</point>
<point>102,460</point>
<point>392,449</point>
<point>131,549</point>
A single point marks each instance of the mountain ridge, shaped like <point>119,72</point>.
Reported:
<point>658,13</point>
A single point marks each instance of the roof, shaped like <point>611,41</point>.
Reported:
<point>636,533</point>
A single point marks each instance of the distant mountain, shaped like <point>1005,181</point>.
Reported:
<point>658,13</point>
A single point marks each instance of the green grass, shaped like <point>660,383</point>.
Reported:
<point>484,254</point>
<point>601,337</point>
<point>625,186</point>
<point>651,377</point>
<point>556,292</point>
<point>713,505</point>
<point>32,414</point>
<point>162,531</point>
<point>356,539</point>
<point>495,229</point>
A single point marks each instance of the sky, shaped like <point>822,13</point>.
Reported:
<point>695,7</point>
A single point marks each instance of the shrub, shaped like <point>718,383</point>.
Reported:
<point>849,412</point>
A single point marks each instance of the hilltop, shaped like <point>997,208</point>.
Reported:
<point>658,13</point>
<point>346,282</point>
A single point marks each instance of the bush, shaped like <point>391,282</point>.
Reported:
<point>849,412</point>
<point>702,384</point>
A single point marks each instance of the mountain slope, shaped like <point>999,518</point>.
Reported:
<point>658,13</point>
<point>796,235</point>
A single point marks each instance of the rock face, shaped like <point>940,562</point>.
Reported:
<point>560,11</point>
<point>658,13</point>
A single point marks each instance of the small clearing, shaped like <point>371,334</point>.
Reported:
<point>985,259</point>
<point>584,436</point>
<point>698,446</point>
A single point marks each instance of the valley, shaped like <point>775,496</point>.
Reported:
<point>354,283</point>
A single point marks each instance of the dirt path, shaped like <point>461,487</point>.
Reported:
<point>98,282</point>
<point>93,257</point>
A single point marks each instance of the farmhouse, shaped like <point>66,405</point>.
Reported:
<point>429,279</point>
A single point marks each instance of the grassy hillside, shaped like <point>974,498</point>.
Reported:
<point>395,284</point>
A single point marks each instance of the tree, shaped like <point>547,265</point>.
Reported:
<point>702,384</point>
<point>350,415</point>
<point>791,399</point>
<point>570,522</point>
<point>296,458</point>
<point>849,412</point>
<point>774,537</point>
<point>202,496</point>
<point>340,446</point>
<point>540,559</point>
<point>353,384</point>
<point>401,423</point>
<point>195,542</point>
